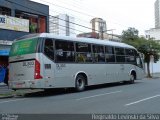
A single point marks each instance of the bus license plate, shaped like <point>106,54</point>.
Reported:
<point>19,85</point>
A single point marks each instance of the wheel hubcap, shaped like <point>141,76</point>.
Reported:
<point>80,83</point>
<point>132,78</point>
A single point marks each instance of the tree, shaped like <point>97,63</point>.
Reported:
<point>130,34</point>
<point>150,48</point>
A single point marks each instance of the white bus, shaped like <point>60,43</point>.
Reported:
<point>43,61</point>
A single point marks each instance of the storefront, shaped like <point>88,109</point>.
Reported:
<point>4,53</point>
<point>19,18</point>
<point>22,17</point>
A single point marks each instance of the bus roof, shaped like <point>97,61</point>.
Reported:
<point>80,39</point>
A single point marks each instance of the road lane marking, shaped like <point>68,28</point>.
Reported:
<point>98,95</point>
<point>142,100</point>
<point>11,100</point>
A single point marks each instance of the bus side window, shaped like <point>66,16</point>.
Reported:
<point>110,54</point>
<point>120,55</point>
<point>98,52</point>
<point>64,51</point>
<point>49,49</point>
<point>83,51</point>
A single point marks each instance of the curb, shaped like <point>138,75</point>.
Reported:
<point>9,96</point>
<point>155,77</point>
<point>152,78</point>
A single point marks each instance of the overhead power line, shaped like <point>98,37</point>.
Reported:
<point>53,16</point>
<point>68,9</point>
<point>49,16</point>
<point>80,12</point>
<point>76,17</point>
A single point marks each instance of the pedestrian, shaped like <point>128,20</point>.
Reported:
<point>6,76</point>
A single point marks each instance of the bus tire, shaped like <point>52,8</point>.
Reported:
<point>80,83</point>
<point>132,78</point>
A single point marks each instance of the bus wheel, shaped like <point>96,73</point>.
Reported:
<point>132,78</point>
<point>80,83</point>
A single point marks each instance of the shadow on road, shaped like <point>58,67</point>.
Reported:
<point>108,85</point>
<point>56,92</point>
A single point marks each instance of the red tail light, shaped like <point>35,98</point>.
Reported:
<point>37,70</point>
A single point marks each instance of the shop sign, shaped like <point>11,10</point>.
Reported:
<point>12,23</point>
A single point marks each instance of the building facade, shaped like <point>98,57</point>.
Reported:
<point>62,25</point>
<point>99,26</point>
<point>157,13</point>
<point>18,18</point>
<point>153,34</point>
<point>21,17</point>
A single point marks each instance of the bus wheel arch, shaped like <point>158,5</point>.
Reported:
<point>81,81</point>
<point>133,76</point>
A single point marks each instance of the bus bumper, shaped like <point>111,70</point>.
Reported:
<point>29,84</point>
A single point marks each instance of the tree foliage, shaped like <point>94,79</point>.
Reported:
<point>149,47</point>
<point>130,34</point>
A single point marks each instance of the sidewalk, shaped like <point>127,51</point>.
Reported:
<point>155,75</point>
<point>4,89</point>
<point>5,92</point>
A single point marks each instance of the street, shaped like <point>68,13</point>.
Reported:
<point>141,97</point>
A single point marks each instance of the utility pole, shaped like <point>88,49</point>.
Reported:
<point>102,28</point>
<point>101,33</point>
<point>106,33</point>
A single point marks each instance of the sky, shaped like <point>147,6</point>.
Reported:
<point>119,14</point>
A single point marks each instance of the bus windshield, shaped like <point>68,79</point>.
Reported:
<point>26,46</point>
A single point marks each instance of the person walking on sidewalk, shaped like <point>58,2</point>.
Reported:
<point>6,76</point>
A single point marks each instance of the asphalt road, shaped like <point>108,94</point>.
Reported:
<point>141,97</point>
